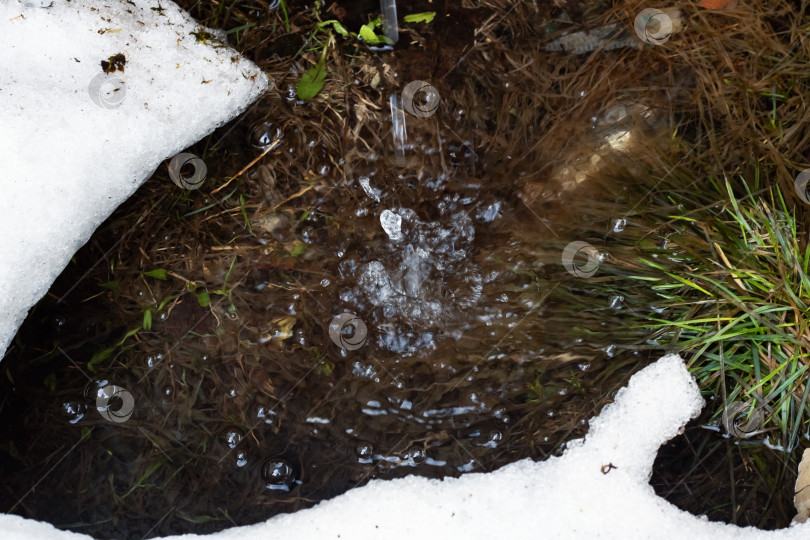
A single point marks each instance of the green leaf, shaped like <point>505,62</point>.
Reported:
<point>426,17</point>
<point>160,273</point>
<point>147,320</point>
<point>127,336</point>
<point>204,299</point>
<point>99,357</point>
<point>111,285</point>
<point>312,81</point>
<point>50,381</point>
<point>106,353</point>
<point>144,478</point>
<point>244,213</point>
<point>14,452</point>
<point>298,249</point>
<point>164,302</point>
<point>339,28</point>
<point>368,34</point>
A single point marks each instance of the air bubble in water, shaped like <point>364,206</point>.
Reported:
<point>73,411</point>
<point>263,135</point>
<point>278,474</point>
<point>231,437</point>
<point>364,452</point>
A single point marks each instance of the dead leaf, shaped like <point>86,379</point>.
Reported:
<point>718,4</point>
<point>285,326</point>
<point>801,497</point>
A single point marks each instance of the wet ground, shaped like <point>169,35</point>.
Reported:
<point>247,407</point>
<point>351,307</point>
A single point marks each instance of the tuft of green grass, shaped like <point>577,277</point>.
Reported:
<point>738,310</point>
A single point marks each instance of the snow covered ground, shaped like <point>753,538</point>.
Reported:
<point>75,143</point>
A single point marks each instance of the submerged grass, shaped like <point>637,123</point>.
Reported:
<point>220,296</point>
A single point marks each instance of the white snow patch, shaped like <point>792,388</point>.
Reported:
<point>74,142</point>
<point>574,496</point>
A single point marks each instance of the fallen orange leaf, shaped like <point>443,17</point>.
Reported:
<point>718,4</point>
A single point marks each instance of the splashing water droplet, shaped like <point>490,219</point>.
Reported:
<point>619,225</point>
<point>391,224</point>
<point>365,183</point>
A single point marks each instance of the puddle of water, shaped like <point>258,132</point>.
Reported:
<point>373,298</point>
